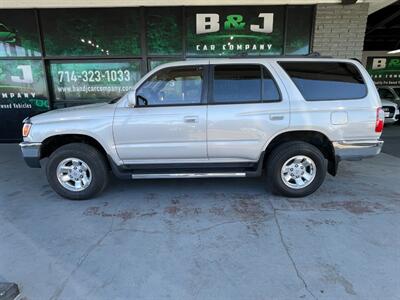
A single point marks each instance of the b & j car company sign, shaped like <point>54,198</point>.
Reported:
<point>384,70</point>
<point>229,31</point>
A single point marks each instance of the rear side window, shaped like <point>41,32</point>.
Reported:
<point>243,84</point>
<point>270,90</point>
<point>326,80</point>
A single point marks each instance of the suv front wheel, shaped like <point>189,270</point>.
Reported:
<point>295,169</point>
<point>77,171</point>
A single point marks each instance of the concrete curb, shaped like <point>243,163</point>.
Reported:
<point>8,290</point>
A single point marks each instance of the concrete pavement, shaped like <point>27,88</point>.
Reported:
<point>203,238</point>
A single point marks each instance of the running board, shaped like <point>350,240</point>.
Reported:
<point>188,175</point>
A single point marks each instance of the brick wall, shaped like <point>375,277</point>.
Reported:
<point>339,30</point>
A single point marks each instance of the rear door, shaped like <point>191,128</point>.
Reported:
<point>247,106</point>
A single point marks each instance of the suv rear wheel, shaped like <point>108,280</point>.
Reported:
<point>295,169</point>
<point>77,171</point>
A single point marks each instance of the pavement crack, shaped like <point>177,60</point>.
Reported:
<point>80,262</point>
<point>139,230</point>
<point>197,231</point>
<point>213,226</point>
<point>286,247</point>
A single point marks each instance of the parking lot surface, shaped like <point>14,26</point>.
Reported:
<point>203,238</point>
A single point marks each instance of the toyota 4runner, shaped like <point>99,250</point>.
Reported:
<point>292,119</point>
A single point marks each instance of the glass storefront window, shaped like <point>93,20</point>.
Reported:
<point>164,30</point>
<point>230,31</point>
<point>18,33</point>
<point>93,81</point>
<point>299,20</point>
<point>91,32</point>
<point>23,93</point>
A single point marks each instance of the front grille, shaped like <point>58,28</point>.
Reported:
<point>389,109</point>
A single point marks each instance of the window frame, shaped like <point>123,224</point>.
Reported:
<point>211,100</point>
<point>329,62</point>
<point>204,89</point>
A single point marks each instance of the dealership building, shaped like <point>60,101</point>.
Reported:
<point>56,54</point>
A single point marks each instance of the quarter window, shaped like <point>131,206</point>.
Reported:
<point>243,83</point>
<point>326,80</point>
<point>172,86</point>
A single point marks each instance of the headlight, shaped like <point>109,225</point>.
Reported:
<point>26,129</point>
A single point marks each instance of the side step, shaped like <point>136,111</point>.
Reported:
<point>187,175</point>
<point>180,170</point>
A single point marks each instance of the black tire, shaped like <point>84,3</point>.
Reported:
<point>284,152</point>
<point>88,154</point>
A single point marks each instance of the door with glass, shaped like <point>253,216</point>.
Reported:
<point>168,122</point>
<point>246,109</point>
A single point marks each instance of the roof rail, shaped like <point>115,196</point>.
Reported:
<point>273,56</point>
<point>356,59</point>
<point>312,54</point>
<point>309,55</point>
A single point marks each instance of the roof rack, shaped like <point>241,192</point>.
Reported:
<point>356,59</point>
<point>309,55</point>
<point>314,54</point>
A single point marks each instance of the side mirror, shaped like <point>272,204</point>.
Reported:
<point>132,99</point>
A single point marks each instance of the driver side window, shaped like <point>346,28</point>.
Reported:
<point>172,86</point>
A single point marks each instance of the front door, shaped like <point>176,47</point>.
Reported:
<point>168,122</point>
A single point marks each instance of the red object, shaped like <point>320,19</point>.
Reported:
<point>380,119</point>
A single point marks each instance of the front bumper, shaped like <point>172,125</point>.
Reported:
<point>31,153</point>
<point>356,150</point>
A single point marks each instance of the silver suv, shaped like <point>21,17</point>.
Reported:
<point>292,119</point>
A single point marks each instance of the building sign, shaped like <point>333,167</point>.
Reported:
<point>235,31</point>
<point>384,70</point>
<point>22,93</point>
<point>93,81</point>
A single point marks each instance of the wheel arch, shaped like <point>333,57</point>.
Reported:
<point>52,143</point>
<point>313,137</point>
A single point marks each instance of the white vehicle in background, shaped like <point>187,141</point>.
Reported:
<point>391,93</point>
<point>391,111</point>
<point>390,103</point>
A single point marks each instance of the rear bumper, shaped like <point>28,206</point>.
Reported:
<point>356,150</point>
<point>31,153</point>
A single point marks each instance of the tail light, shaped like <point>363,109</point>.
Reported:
<point>380,119</point>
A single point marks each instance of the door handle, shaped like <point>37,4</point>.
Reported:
<point>191,119</point>
<point>274,117</point>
